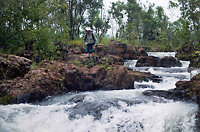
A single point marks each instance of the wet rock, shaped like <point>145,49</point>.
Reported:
<point>190,88</point>
<point>128,125</point>
<point>12,66</point>
<point>167,61</point>
<point>90,108</point>
<point>146,76</point>
<point>185,90</point>
<point>142,86</point>
<point>78,98</point>
<point>95,108</point>
<point>147,61</point>
<point>171,94</point>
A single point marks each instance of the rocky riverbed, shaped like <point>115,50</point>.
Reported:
<point>58,78</point>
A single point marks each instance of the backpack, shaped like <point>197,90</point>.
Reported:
<point>92,37</point>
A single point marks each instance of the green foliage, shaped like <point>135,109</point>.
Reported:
<point>117,11</point>
<point>76,42</point>
<point>5,100</point>
<point>77,63</point>
<point>107,65</point>
<point>33,25</point>
<point>105,40</point>
<point>188,27</point>
<point>196,54</point>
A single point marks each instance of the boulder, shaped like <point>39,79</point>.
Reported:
<point>54,78</point>
<point>101,51</point>
<point>110,60</point>
<point>190,88</point>
<point>12,66</point>
<point>46,80</point>
<point>167,61</point>
<point>147,61</point>
<point>126,52</point>
<point>175,95</point>
<point>80,80</point>
<point>119,77</point>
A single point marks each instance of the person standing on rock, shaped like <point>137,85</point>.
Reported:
<point>90,42</point>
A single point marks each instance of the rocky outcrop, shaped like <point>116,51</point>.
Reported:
<point>111,59</point>
<point>12,66</point>
<point>190,88</point>
<point>167,61</point>
<point>115,51</point>
<point>126,52</point>
<point>77,59</point>
<point>54,78</point>
<point>101,51</point>
<point>82,59</point>
<point>37,84</point>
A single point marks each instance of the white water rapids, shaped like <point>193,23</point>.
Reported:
<point>108,111</point>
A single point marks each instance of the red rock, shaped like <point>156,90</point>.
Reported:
<point>12,66</point>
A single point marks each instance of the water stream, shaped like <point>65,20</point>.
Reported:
<point>108,111</point>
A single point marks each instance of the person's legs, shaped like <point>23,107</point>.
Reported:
<point>88,50</point>
<point>92,59</point>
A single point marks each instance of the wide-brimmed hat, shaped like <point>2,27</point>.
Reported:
<point>88,29</point>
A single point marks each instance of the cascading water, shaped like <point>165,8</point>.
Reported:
<point>108,111</point>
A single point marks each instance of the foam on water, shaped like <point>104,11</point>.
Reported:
<point>150,117</point>
<point>122,115</point>
<point>161,54</point>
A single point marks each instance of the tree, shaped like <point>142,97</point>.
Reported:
<point>33,25</point>
<point>190,17</point>
<point>117,11</point>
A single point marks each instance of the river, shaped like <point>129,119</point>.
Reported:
<point>108,111</point>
